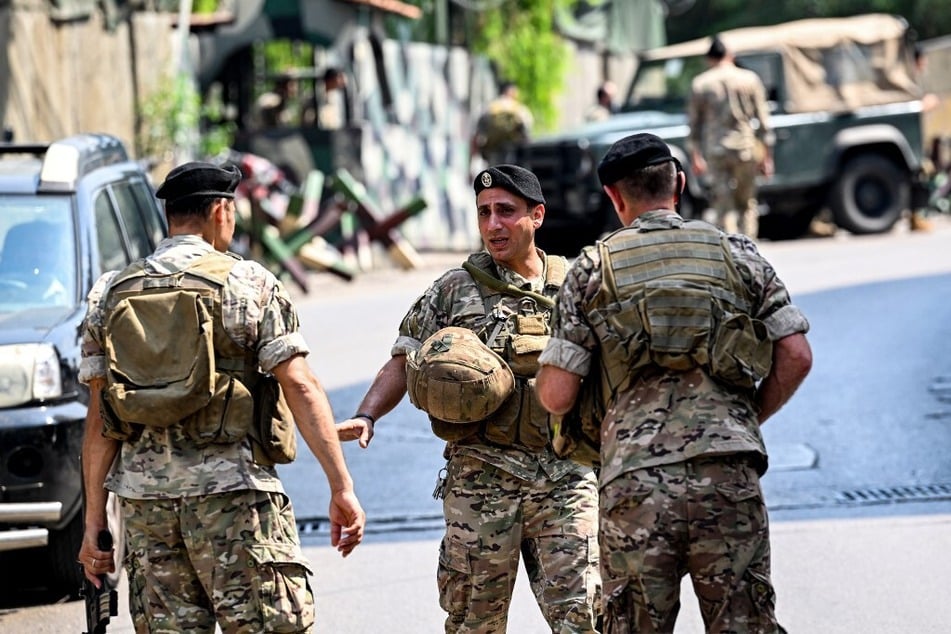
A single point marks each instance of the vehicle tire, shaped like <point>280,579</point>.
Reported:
<point>64,574</point>
<point>870,195</point>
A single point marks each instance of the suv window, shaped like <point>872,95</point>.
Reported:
<point>664,84</point>
<point>112,254</point>
<point>38,257</point>
<point>133,216</point>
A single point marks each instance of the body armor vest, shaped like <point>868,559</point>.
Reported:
<point>673,298</point>
<point>518,335</point>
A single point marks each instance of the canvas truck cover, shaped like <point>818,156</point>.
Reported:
<point>829,64</point>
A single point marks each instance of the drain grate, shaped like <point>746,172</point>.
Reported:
<point>319,526</point>
<point>888,495</point>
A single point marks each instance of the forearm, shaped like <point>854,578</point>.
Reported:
<point>792,360</point>
<point>316,425</point>
<point>98,454</point>
<point>387,390</point>
<point>314,418</point>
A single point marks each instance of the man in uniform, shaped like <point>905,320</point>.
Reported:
<point>505,124</point>
<point>209,532</point>
<point>505,492</point>
<point>730,138</point>
<point>695,344</point>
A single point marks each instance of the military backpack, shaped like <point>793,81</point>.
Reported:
<point>170,362</point>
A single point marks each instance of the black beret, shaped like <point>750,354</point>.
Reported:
<point>199,179</point>
<point>513,178</point>
<point>633,153</point>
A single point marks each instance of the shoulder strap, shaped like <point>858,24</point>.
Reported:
<point>487,279</point>
<point>557,270</point>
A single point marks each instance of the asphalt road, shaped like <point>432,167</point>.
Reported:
<point>866,436</point>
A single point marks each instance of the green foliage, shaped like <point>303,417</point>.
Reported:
<point>167,117</point>
<point>170,116</point>
<point>204,6</point>
<point>519,38</point>
<point>283,55</point>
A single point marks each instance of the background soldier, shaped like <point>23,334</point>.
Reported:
<point>505,124</point>
<point>603,106</point>
<point>698,344</point>
<point>206,517</point>
<point>505,492</point>
<point>730,138</point>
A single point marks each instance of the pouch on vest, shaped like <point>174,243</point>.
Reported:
<point>226,418</point>
<point>273,433</point>
<point>160,354</point>
<point>526,345</point>
<point>576,435</point>
<point>502,427</point>
<point>742,352</point>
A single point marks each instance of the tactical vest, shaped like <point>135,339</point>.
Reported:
<point>519,338</point>
<point>171,362</point>
<point>673,299</point>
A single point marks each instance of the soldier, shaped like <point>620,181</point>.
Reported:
<point>505,492</point>
<point>693,338</point>
<point>505,124</point>
<point>730,138</point>
<point>603,107</point>
<point>209,532</point>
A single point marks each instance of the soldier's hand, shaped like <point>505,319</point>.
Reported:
<point>95,562</point>
<point>347,521</point>
<point>359,428</point>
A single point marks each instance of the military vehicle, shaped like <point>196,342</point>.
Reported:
<point>844,105</point>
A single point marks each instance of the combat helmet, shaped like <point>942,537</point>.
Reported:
<point>458,381</point>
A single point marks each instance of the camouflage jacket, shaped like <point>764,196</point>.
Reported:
<point>258,315</point>
<point>727,112</point>
<point>455,300</point>
<point>663,416</point>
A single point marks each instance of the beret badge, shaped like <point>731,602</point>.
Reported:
<point>486,179</point>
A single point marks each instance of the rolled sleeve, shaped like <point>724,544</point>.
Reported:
<point>785,321</point>
<point>281,349</point>
<point>566,355</point>
<point>405,345</point>
<point>93,365</point>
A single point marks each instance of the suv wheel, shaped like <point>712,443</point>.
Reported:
<point>870,195</point>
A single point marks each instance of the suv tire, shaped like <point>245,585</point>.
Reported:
<point>870,194</point>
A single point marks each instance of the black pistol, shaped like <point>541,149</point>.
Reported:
<point>102,602</point>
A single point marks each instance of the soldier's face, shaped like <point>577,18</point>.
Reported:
<point>507,224</point>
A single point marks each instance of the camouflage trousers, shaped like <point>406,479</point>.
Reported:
<point>733,194</point>
<point>234,557</point>
<point>704,517</point>
<point>492,517</point>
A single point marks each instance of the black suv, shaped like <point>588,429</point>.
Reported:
<point>69,211</point>
<point>844,106</point>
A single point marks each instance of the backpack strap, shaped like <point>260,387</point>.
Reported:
<point>487,279</point>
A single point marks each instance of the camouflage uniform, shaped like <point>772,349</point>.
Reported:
<point>504,124</point>
<point>681,457</point>
<point>500,501</point>
<point>208,531</point>
<point>725,101</point>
